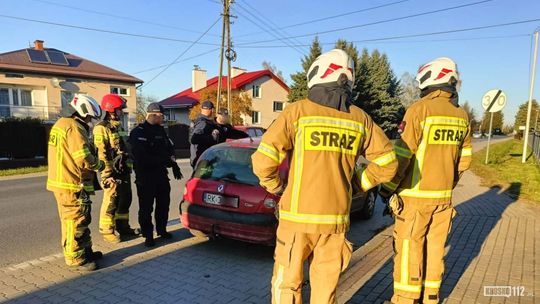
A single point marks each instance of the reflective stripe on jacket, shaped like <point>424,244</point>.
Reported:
<point>71,158</point>
<point>110,139</point>
<point>434,150</point>
<point>323,146</point>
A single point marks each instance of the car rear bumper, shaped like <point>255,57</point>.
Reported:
<point>254,228</point>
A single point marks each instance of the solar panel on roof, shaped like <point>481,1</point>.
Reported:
<point>37,56</point>
<point>57,58</point>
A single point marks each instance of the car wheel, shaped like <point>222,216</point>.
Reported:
<point>369,206</point>
<point>198,233</point>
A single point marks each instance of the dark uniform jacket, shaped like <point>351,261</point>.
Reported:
<point>201,137</point>
<point>152,150</point>
<point>227,131</point>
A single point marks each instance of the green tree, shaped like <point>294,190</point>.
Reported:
<point>298,89</point>
<point>521,115</point>
<point>498,121</point>
<point>377,91</point>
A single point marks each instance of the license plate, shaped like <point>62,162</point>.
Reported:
<point>220,200</point>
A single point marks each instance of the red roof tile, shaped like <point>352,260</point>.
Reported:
<point>188,98</point>
<point>18,61</point>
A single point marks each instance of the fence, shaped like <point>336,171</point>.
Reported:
<point>534,141</point>
<point>23,138</point>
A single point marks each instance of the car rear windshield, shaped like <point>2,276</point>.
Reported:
<point>227,163</point>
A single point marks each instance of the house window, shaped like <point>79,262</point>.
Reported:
<point>255,117</point>
<point>278,106</point>
<point>66,97</point>
<point>4,96</point>
<point>15,96</point>
<point>26,98</point>
<point>256,91</point>
<point>120,91</point>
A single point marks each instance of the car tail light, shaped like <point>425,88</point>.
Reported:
<point>270,203</point>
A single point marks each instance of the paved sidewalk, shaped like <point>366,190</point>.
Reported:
<point>494,242</point>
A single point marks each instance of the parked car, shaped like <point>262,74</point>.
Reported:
<point>477,135</point>
<point>252,131</point>
<point>223,196</point>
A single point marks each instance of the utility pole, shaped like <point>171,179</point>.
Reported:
<point>227,53</point>
<point>529,109</point>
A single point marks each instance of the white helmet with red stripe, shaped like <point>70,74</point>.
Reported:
<point>86,106</point>
<point>440,71</point>
<point>328,67</point>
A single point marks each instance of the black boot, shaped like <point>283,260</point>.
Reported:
<point>149,241</point>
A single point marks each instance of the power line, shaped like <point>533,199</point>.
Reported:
<point>389,40</point>
<point>181,54</point>
<point>288,44</point>
<point>418,35</point>
<point>273,27</point>
<point>119,17</point>
<point>105,31</point>
<point>183,60</point>
<point>332,17</point>
<point>378,22</point>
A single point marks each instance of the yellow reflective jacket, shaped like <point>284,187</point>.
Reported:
<point>434,150</point>
<point>323,145</point>
<point>110,140</point>
<point>71,158</point>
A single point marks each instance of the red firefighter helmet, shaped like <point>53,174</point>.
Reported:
<point>111,102</point>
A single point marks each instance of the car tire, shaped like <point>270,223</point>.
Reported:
<point>369,206</point>
<point>198,233</point>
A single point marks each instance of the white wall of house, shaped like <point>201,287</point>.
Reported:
<point>46,96</point>
<point>270,92</point>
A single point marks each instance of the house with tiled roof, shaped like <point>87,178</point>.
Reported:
<point>38,81</point>
<point>269,95</point>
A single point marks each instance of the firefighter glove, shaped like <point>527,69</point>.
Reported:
<point>120,163</point>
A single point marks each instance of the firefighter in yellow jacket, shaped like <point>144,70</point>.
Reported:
<point>110,140</point>
<point>433,152</point>
<point>72,164</point>
<point>323,136</point>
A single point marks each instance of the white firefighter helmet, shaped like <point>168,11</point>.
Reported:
<point>440,71</point>
<point>328,67</point>
<point>86,106</point>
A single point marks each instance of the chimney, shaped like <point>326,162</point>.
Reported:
<point>235,71</point>
<point>38,45</point>
<point>198,79</point>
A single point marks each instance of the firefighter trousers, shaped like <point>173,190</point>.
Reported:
<point>328,255</point>
<point>74,210</point>
<point>420,234</point>
<point>149,191</point>
<point>114,213</point>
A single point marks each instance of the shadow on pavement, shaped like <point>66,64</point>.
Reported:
<point>203,271</point>
<point>475,219</point>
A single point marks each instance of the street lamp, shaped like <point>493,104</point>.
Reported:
<point>529,108</point>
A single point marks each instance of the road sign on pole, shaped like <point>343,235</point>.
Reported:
<point>493,101</point>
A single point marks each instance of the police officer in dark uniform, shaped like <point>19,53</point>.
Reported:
<point>153,153</point>
<point>206,132</point>
<point>226,130</point>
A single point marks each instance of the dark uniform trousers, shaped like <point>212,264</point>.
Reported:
<point>157,189</point>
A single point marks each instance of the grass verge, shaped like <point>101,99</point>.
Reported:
<point>25,170</point>
<point>505,168</point>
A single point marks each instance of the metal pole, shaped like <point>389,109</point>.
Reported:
<point>529,109</point>
<point>229,80</point>
<point>218,97</point>
<point>489,137</point>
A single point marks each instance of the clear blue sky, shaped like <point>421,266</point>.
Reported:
<point>484,63</point>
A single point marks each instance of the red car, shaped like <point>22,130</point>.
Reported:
<point>223,196</point>
<point>252,131</point>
